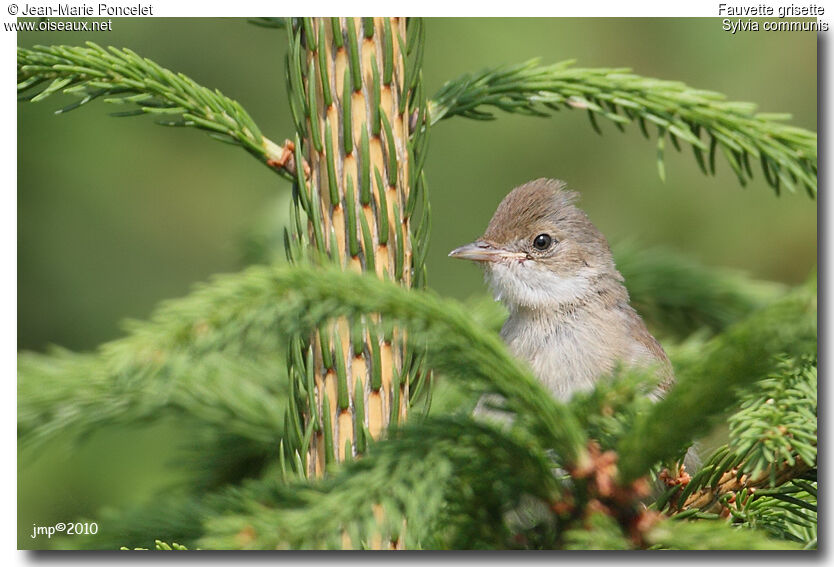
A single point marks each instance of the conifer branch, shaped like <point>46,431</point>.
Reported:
<point>239,312</point>
<point>714,534</point>
<point>178,515</point>
<point>788,512</point>
<point>121,77</point>
<point>707,386</point>
<point>777,420</point>
<point>773,441</point>
<point>263,305</point>
<point>735,481</point>
<point>678,296</point>
<point>72,395</point>
<point>194,355</point>
<point>160,545</point>
<point>787,155</point>
<point>438,474</point>
<point>599,532</point>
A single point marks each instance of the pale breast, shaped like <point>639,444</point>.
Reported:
<point>571,352</point>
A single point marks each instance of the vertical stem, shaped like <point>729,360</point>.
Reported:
<point>355,94</point>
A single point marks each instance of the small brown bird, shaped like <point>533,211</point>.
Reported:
<point>570,316</point>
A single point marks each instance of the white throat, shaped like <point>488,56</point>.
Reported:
<point>528,284</point>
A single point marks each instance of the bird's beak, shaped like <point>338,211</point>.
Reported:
<point>481,251</point>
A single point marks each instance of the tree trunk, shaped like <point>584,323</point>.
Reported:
<point>353,101</point>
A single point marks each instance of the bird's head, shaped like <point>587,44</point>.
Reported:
<point>540,251</point>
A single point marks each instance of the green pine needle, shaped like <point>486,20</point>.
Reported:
<point>706,388</point>
<point>255,309</point>
<point>121,77</point>
<point>777,421</point>
<point>788,154</point>
<point>715,534</point>
<point>439,474</point>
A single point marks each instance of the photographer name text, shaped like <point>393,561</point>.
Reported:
<point>88,10</point>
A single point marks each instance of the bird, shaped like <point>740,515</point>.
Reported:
<point>569,317</point>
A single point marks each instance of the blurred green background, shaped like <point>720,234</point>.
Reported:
<point>115,215</point>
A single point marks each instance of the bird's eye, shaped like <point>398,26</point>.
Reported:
<point>542,242</point>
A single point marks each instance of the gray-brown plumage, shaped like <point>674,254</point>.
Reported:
<point>570,316</point>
